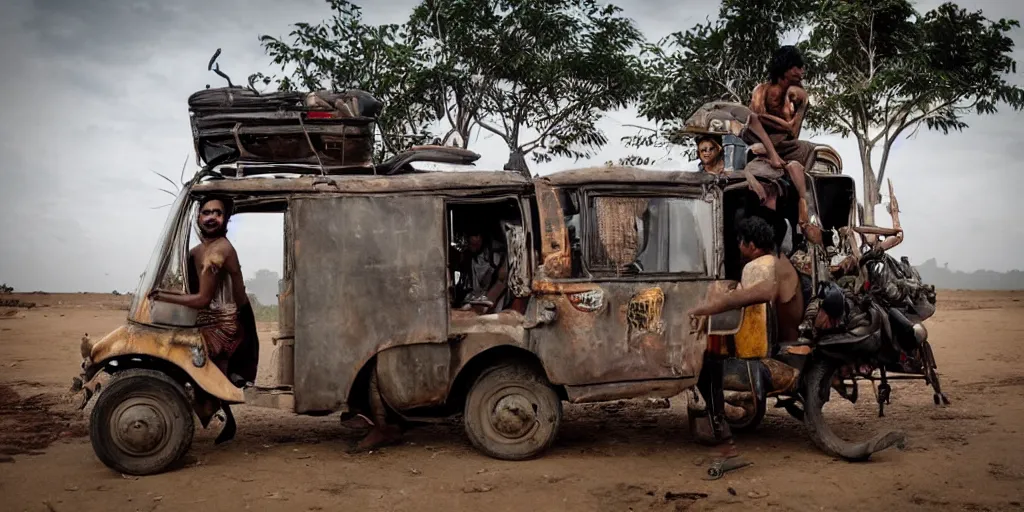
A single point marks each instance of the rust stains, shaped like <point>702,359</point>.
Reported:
<point>178,346</point>
<point>555,253</point>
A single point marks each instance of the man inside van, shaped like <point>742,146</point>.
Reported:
<point>483,270</point>
<point>225,320</point>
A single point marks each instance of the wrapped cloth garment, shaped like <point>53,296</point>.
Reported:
<point>229,332</point>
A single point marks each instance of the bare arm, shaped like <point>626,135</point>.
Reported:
<point>800,100</point>
<point>759,106</point>
<point>211,266</point>
<point>760,293</point>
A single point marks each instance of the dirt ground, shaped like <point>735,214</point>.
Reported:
<point>616,457</point>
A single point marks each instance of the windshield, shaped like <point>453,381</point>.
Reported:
<point>158,260</point>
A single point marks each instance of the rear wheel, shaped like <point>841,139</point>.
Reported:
<point>512,412</point>
<point>141,423</point>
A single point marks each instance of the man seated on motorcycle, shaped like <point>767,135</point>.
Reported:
<point>777,283</point>
<point>768,277</point>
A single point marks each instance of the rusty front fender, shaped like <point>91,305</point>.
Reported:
<point>183,348</point>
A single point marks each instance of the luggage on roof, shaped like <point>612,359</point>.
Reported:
<point>323,128</point>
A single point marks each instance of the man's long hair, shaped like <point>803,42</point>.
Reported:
<point>785,58</point>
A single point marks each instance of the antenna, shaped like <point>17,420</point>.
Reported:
<point>212,65</point>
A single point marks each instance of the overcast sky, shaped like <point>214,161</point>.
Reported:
<point>94,97</point>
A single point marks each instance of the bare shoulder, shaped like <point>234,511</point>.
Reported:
<point>218,254</point>
<point>223,246</point>
<point>757,98</point>
<point>760,270</point>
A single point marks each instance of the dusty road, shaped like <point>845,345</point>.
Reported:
<point>615,457</point>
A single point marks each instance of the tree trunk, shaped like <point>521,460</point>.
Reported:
<point>517,162</point>
<point>870,186</point>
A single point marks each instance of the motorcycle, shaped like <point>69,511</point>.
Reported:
<point>878,336</point>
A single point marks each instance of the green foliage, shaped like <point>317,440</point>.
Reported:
<point>879,71</point>
<point>343,53</point>
<point>537,74</point>
<point>876,69</point>
<point>716,60</point>
<point>551,67</point>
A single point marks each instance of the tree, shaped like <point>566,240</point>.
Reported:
<point>878,71</point>
<point>719,60</point>
<point>550,67</point>
<point>344,53</point>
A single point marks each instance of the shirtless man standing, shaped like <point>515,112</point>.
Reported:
<point>225,320</point>
<point>768,278</point>
<point>781,105</point>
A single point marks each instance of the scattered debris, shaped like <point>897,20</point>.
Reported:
<point>477,488</point>
<point>732,491</point>
<point>692,496</point>
<point>756,495</point>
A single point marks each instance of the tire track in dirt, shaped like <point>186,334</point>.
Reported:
<point>30,424</point>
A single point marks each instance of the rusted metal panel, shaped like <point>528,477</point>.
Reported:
<point>667,388</point>
<point>365,184</point>
<point>555,252</point>
<point>622,331</point>
<point>369,274</point>
<point>625,175</point>
<point>414,375</point>
<point>270,398</point>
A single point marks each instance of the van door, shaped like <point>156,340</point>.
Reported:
<point>648,257</point>
<point>369,274</point>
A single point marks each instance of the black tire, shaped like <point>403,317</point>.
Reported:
<point>818,386</point>
<point>512,413</point>
<point>156,408</point>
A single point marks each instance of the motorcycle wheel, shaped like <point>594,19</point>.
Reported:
<point>817,388</point>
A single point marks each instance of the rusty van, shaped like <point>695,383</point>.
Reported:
<point>603,265</point>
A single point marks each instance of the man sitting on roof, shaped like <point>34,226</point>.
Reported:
<point>781,105</point>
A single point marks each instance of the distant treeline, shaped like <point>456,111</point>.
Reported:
<point>944,278</point>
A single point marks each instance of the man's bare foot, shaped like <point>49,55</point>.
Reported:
<point>379,437</point>
<point>728,450</point>
<point>357,424</point>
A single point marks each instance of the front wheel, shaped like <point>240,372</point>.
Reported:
<point>141,423</point>
<point>818,387</point>
<point>512,413</point>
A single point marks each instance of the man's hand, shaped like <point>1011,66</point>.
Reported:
<point>705,307</point>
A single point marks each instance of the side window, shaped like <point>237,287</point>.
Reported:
<point>649,235</point>
<point>570,201</point>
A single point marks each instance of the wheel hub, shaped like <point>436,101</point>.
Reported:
<point>140,427</point>
<point>513,416</point>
